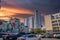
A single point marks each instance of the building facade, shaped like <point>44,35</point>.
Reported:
<point>52,22</point>
<point>37,19</point>
<point>29,22</point>
<point>26,21</point>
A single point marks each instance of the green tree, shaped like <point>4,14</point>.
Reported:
<point>37,30</point>
<point>44,31</point>
<point>0,29</point>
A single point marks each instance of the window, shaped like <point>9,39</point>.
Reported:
<point>56,16</point>
<point>54,21</point>
<point>59,24</point>
<point>52,17</point>
<point>54,24</point>
<point>59,14</point>
<point>55,29</point>
<point>58,20</point>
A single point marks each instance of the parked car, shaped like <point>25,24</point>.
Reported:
<point>3,35</point>
<point>12,36</point>
<point>9,36</point>
<point>57,35</point>
<point>42,35</point>
<point>29,37</point>
<point>39,35</point>
<point>48,35</point>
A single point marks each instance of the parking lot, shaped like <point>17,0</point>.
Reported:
<point>49,39</point>
<point>1,38</point>
<point>43,39</point>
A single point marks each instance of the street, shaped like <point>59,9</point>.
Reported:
<point>49,39</point>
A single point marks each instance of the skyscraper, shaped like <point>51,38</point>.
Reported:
<point>37,19</point>
<point>26,21</point>
<point>26,24</point>
<point>31,23</point>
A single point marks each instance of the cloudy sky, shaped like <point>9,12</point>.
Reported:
<point>25,8</point>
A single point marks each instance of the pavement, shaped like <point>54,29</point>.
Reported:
<point>1,38</point>
<point>49,39</point>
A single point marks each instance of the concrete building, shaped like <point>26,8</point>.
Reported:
<point>37,19</point>
<point>26,21</point>
<point>52,22</point>
<point>24,28</point>
<point>29,22</point>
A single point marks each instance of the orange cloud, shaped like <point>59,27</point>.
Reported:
<point>4,18</point>
<point>21,11</point>
<point>7,12</point>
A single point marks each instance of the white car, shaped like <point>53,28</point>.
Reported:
<point>57,35</point>
<point>28,37</point>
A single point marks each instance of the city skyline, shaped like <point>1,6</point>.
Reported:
<point>25,8</point>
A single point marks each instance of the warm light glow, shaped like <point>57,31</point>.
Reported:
<point>6,12</point>
<point>4,18</point>
<point>1,14</point>
<point>21,11</point>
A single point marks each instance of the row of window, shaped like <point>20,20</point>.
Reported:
<point>55,24</point>
<point>56,29</point>
<point>55,17</point>
<point>55,21</point>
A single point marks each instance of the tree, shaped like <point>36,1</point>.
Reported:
<point>44,31</point>
<point>38,31</point>
<point>0,29</point>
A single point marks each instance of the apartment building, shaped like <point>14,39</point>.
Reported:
<point>52,22</point>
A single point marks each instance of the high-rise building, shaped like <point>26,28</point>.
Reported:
<point>37,19</point>
<point>52,22</point>
<point>26,21</point>
<point>26,24</point>
<point>31,23</point>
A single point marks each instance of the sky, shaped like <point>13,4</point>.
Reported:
<point>25,8</point>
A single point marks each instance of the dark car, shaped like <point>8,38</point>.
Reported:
<point>20,34</point>
<point>13,36</point>
<point>49,35</point>
<point>3,34</point>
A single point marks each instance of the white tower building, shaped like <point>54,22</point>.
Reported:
<point>37,19</point>
<point>31,23</point>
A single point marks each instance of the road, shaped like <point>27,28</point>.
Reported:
<point>49,39</point>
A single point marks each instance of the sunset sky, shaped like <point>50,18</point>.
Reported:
<point>25,8</point>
